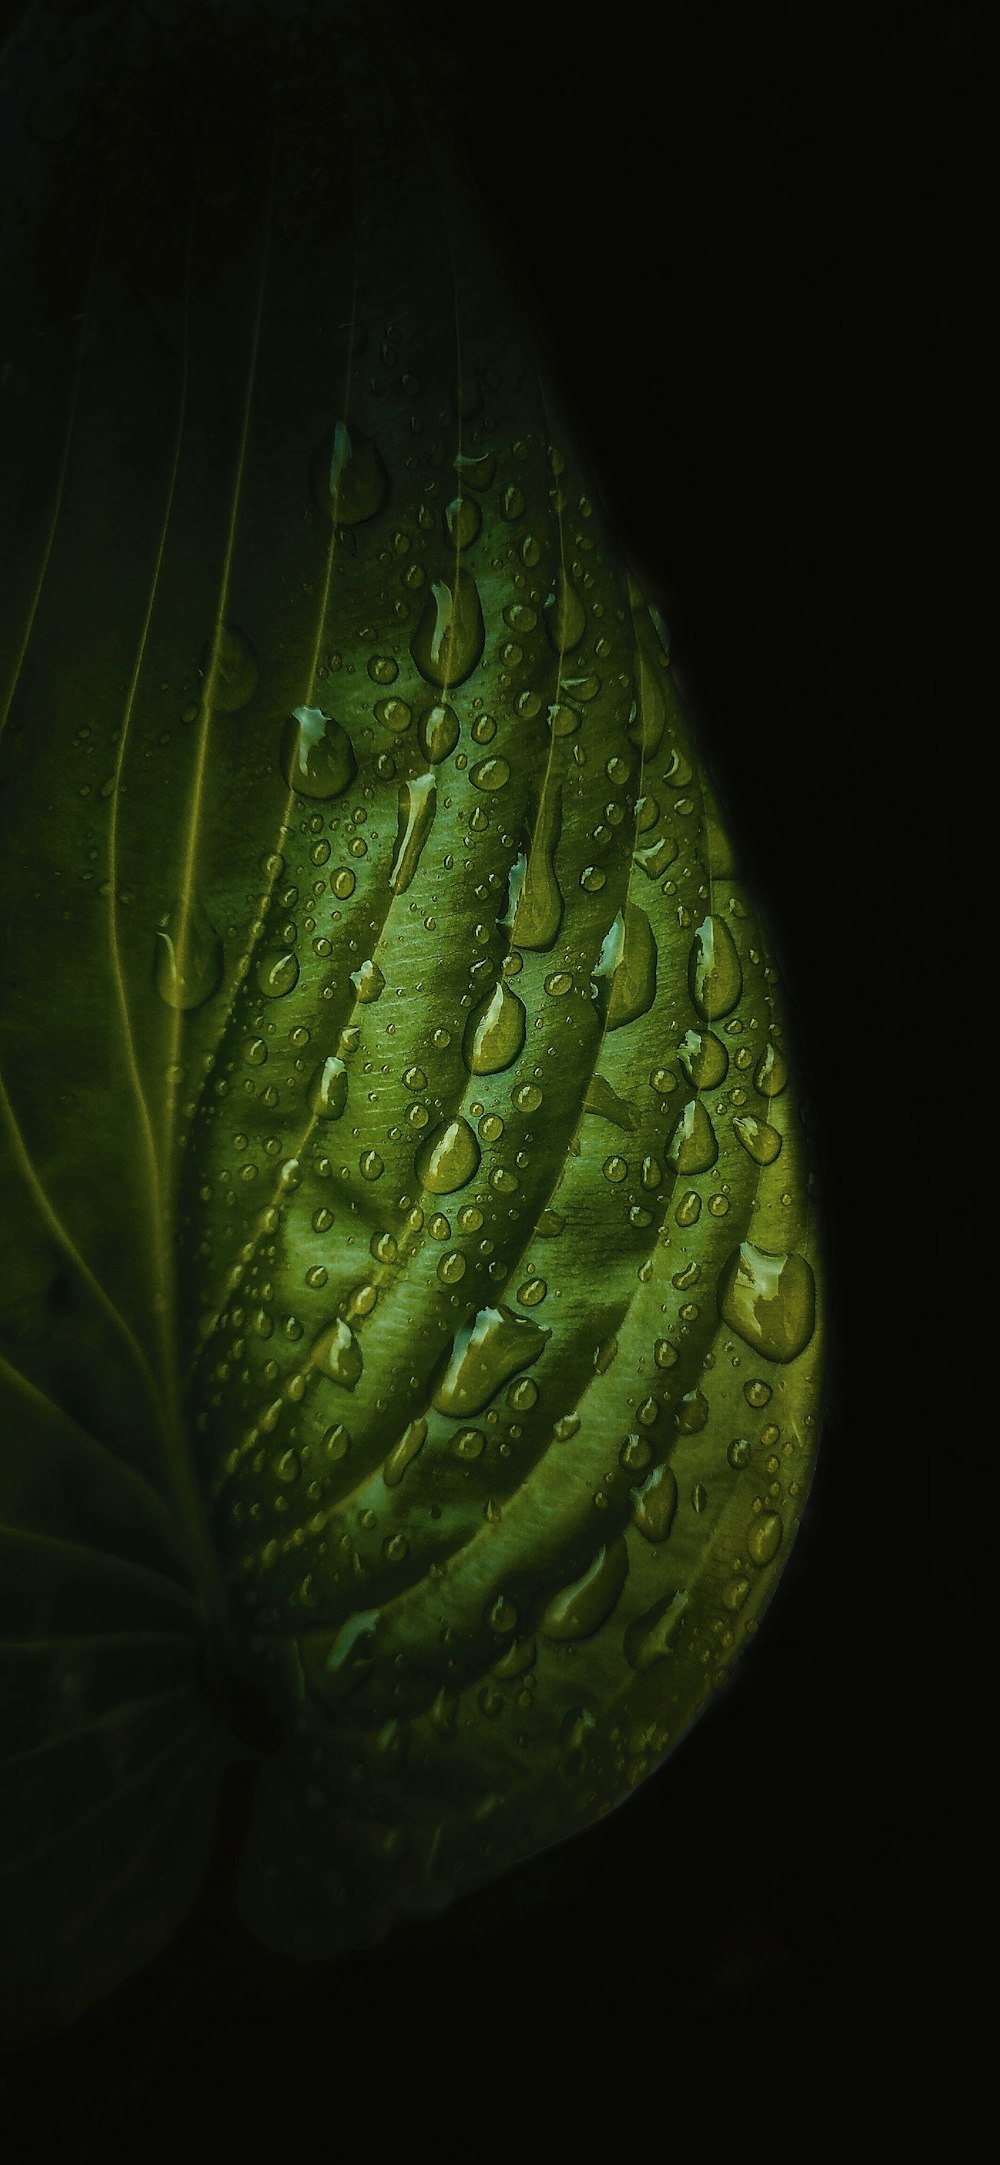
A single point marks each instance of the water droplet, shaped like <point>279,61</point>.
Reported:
<point>715,976</point>
<point>615,1168</point>
<point>692,1147</point>
<point>384,669</point>
<point>764,1538</point>
<point>368,982</point>
<point>603,1100</point>
<point>417,805</point>
<point>336,1442</point>
<point>565,615</point>
<point>317,757</point>
<point>655,857</point>
<point>513,501</point>
<point>703,1058</point>
<point>761,1142</point>
<point>438,733</point>
<point>771,1072</point>
<point>532,1292</point>
<point>757,1392</point>
<point>475,469</point>
<point>491,1348</point>
<point>187,958</point>
<point>343,884</point>
<point>337,1354</point>
<point>328,1090</point>
<point>739,1452</point>
<point>655,1503</point>
<point>528,1098</point>
<point>448,1158</point>
<point>592,879</point>
<point>289,1466</point>
<point>494,1033</point>
<point>230,670</point>
<point>648,1638</point>
<point>625,974</point>
<point>647,729</point>
<point>462,520</point>
<point>769,1300</point>
<point>563,721</point>
<point>469,1443</point>
<point>664,1354</point>
<point>450,635</point>
<point>539,909</point>
<point>489,773</point>
<point>688,1210</point>
<point>396,716</point>
<point>370,1165</point>
<point>580,1609</point>
<point>692,1413</point>
<point>403,1452</point>
<point>349,479</point>
<point>451,1268</point>
<point>550,1225</point>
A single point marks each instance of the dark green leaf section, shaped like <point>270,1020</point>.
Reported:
<point>413,1311</point>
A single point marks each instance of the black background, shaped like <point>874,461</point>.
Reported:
<point>768,230</point>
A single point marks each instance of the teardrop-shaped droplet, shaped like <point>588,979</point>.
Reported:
<point>317,756</point>
<point>605,1101</point>
<point>769,1300</point>
<point>648,1638</point>
<point>475,469</point>
<point>692,1147</point>
<point>760,1141</point>
<point>450,635</point>
<point>337,1354</point>
<point>715,977</point>
<point>410,1442</point>
<point>417,805</point>
<point>581,1609</point>
<point>703,1058</point>
<point>565,615</point>
<point>368,982</point>
<point>463,518</point>
<point>771,1072</point>
<point>646,730</point>
<point>187,959</point>
<point>540,900</point>
<point>765,1538</point>
<point>448,1157</point>
<point>494,1033</point>
<point>625,975</point>
<point>692,1413</point>
<point>349,477</point>
<point>328,1090</point>
<point>229,668</point>
<point>494,1346</point>
<point>655,1503</point>
<point>438,733</point>
<point>276,972</point>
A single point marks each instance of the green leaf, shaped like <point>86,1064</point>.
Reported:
<point>409,1321</point>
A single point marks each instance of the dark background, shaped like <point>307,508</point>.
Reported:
<point>768,225</point>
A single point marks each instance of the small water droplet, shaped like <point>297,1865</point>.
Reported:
<point>337,1354</point>
<point>370,1165</point>
<point>764,1538</point>
<point>463,518</point>
<point>565,615</point>
<point>350,481</point>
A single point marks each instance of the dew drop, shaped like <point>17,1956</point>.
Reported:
<point>230,670</point>
<point>449,638</point>
<point>539,910</point>
<point>764,1538</point>
<point>769,1300</point>
<point>416,808</point>
<point>761,1142</point>
<point>715,977</point>
<point>692,1147</point>
<point>350,481</point>
<point>462,519</point>
<point>438,733</point>
<point>625,973</point>
<point>703,1058</point>
<point>337,1354</point>
<point>494,1034</point>
<point>404,1452</point>
<point>581,1608</point>
<point>771,1072</point>
<point>187,958</point>
<point>448,1158</point>
<point>368,982</point>
<point>491,1348</point>
<point>328,1090</point>
<point>317,757</point>
<point>655,1504</point>
<point>490,774</point>
<point>565,615</point>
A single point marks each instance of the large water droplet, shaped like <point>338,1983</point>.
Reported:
<point>450,635</point>
<point>276,972</point>
<point>771,1072</point>
<point>565,615</point>
<point>448,1157</point>
<point>187,959</point>
<point>580,1609</point>
<point>648,1638</point>
<point>655,1503</point>
<point>438,733</point>
<point>692,1147</point>
<point>769,1300</point>
<point>539,910</point>
<point>410,1442</point>
<point>368,982</point>
<point>761,1142</point>
<point>349,478</point>
<point>417,804</point>
<point>317,756</point>
<point>328,1090</point>
<point>715,977</point>
<point>462,520</point>
<point>231,677</point>
<point>337,1354</point>
<point>494,1346</point>
<point>625,975</point>
<point>494,1033</point>
<point>703,1058</point>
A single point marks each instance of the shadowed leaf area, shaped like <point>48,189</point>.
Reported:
<point>409,1320</point>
